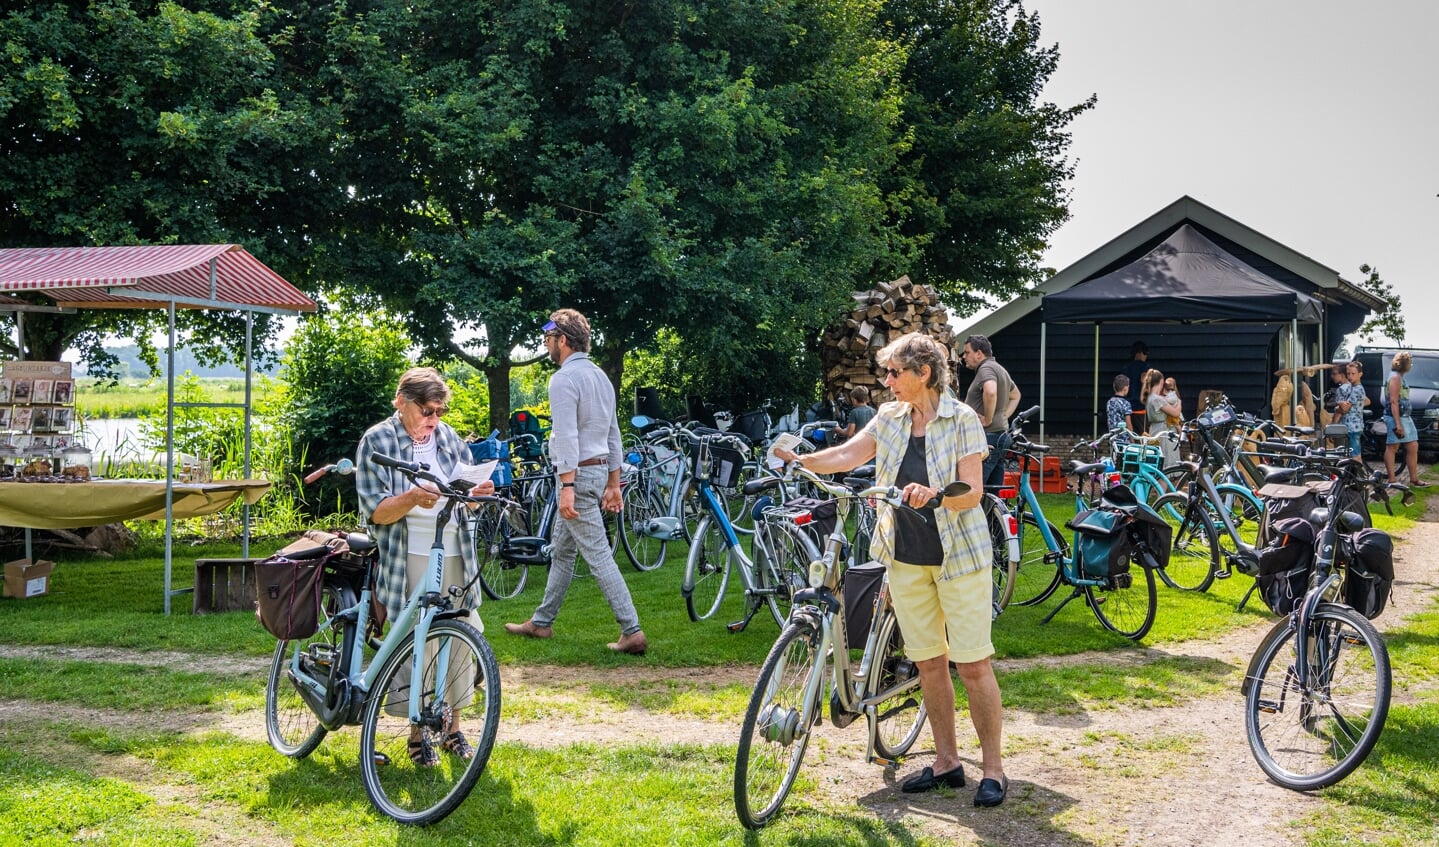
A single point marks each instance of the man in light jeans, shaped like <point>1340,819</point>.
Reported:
<point>586,453</point>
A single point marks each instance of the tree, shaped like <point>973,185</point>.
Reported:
<point>711,168</point>
<point>134,122</point>
<point>982,187</point>
<point>1390,321</point>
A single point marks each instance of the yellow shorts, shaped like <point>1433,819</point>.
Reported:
<point>934,613</point>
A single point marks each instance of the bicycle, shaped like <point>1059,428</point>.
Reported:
<point>508,542</point>
<point>430,689</point>
<point>660,500</point>
<point>1123,603</point>
<point>1317,688</point>
<point>781,549</point>
<point>788,698</point>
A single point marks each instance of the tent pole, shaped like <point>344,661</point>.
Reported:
<point>1294,368</point>
<point>169,455</point>
<point>1094,415</point>
<point>1043,374</point>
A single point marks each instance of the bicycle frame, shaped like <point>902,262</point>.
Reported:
<point>1029,501</point>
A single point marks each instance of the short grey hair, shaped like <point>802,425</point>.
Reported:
<point>911,350</point>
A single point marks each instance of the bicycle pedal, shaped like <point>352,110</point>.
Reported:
<point>876,759</point>
<point>737,626</point>
<point>1224,574</point>
<point>381,759</point>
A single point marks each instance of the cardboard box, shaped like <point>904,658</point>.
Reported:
<point>24,578</point>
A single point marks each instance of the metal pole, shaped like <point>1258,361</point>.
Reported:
<point>1043,374</point>
<point>169,455</point>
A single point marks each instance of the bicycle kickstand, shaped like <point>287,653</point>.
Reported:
<point>752,607</point>
<point>1076,593</point>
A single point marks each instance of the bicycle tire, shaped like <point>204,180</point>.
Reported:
<point>1035,578</point>
<point>899,718</point>
<point>737,505</point>
<point>499,579</point>
<point>775,731</point>
<point>706,572</point>
<point>641,504</point>
<point>1311,743</point>
<point>1003,569</point>
<point>1193,545</point>
<point>291,726</point>
<point>782,553</point>
<point>398,787</point>
<point>1118,606</point>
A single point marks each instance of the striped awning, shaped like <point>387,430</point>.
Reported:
<point>198,276</point>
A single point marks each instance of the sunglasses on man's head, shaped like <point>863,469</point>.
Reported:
<point>551,330</point>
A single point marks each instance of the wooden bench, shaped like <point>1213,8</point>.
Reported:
<point>224,585</point>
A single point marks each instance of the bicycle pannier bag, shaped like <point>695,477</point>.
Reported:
<point>289,593</point>
<point>1282,501</point>
<point>1370,573</point>
<point>1285,565</point>
<point>823,514</point>
<point>1102,542</point>
<point>861,586</point>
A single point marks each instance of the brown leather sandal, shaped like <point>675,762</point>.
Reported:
<point>455,742</point>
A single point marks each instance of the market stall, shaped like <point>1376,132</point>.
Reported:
<point>205,276</point>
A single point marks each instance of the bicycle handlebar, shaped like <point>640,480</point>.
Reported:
<point>421,470</point>
<point>344,467</point>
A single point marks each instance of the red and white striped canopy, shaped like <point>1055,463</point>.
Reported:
<point>200,276</point>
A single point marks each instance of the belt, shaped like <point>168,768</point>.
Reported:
<point>589,463</point>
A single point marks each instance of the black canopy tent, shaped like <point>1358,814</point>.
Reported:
<point>1186,278</point>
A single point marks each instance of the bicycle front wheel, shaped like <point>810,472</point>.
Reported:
<point>1003,569</point>
<point>1037,575</point>
<point>1193,544</point>
<point>706,571</point>
<point>1125,604</point>
<point>641,504</point>
<point>1311,734</point>
<point>290,724</point>
<point>417,773</point>
<point>493,527</point>
<point>776,726</point>
<point>899,713</point>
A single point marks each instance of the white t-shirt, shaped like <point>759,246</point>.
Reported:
<point>420,522</point>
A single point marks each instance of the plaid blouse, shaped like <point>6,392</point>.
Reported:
<point>954,433</point>
<point>375,483</point>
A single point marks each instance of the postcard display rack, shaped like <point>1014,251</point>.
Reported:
<point>37,417</point>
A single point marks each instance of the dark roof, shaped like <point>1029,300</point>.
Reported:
<point>1188,278</point>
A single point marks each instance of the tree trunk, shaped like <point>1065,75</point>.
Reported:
<point>497,377</point>
<point>611,360</point>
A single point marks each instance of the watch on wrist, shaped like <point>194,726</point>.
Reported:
<point>567,485</point>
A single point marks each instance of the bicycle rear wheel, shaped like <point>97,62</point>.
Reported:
<point>493,527</point>
<point>1125,604</point>
<point>1003,569</point>
<point>781,557</point>
<point>1311,735</point>
<point>1193,544</point>
<point>899,716</point>
<point>776,729</point>
<point>641,504</point>
<point>1037,575</point>
<point>418,773</point>
<point>706,571</point>
<point>290,724</point>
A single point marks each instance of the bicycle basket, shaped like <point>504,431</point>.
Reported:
<point>1134,455</point>
<point>726,465</point>
<point>1218,415</point>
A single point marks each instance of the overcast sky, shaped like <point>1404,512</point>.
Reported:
<point>1313,122</point>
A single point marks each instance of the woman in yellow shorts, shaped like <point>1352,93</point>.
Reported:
<point>939,559</point>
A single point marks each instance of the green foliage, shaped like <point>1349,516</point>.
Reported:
<point>341,369</point>
<point>1390,321</point>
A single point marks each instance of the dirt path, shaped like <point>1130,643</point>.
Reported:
<point>1176,776</point>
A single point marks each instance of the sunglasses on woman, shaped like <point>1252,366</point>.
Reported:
<point>431,411</point>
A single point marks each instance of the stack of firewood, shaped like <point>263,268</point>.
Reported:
<point>882,314</point>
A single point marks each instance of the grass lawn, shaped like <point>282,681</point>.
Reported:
<point>65,778</point>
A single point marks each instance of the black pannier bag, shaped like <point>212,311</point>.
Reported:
<point>1370,572</point>
<point>1283,501</point>
<point>1111,536</point>
<point>861,585</point>
<point>289,592</point>
<point>823,515</point>
<point>1285,565</point>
